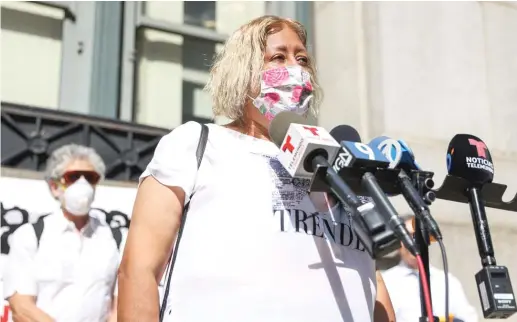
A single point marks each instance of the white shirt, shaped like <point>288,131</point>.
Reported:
<point>402,283</point>
<point>254,248</point>
<point>72,273</point>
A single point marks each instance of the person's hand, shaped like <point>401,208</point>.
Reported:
<point>24,309</point>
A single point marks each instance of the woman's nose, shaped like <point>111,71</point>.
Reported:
<point>291,61</point>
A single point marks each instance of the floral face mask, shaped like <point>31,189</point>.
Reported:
<point>284,89</point>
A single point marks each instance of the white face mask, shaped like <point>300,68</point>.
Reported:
<point>78,197</point>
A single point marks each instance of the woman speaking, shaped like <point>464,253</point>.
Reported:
<point>254,245</point>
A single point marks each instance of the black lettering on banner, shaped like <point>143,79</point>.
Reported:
<point>13,218</point>
<point>115,218</point>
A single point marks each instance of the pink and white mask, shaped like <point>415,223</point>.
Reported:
<point>284,89</point>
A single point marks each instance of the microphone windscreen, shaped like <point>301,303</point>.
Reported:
<point>345,133</point>
<point>468,157</point>
<point>280,125</point>
<point>390,148</point>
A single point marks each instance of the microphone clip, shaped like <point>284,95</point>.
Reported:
<point>318,182</point>
<point>423,182</point>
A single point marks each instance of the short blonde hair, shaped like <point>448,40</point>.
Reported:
<point>235,73</point>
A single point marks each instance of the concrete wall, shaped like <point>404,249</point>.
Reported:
<point>425,71</point>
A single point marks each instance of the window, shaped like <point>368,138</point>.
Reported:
<point>173,64</point>
<point>141,61</point>
<point>31,54</point>
<point>62,55</point>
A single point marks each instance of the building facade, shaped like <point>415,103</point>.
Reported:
<point>422,71</point>
<point>142,61</point>
<point>425,71</point>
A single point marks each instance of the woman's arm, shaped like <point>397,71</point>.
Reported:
<point>20,282</point>
<point>383,311</point>
<point>154,225</point>
<point>24,309</point>
<point>113,312</point>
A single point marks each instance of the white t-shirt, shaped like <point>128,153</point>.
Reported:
<point>254,248</point>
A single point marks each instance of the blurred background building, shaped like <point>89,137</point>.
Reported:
<point>118,75</point>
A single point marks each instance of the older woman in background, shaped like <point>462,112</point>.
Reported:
<point>254,246</point>
<point>63,267</point>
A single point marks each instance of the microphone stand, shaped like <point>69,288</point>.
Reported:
<point>423,182</point>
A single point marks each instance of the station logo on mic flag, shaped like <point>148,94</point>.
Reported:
<point>299,141</point>
<point>468,157</point>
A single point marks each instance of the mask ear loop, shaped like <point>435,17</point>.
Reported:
<point>306,103</point>
<point>252,99</point>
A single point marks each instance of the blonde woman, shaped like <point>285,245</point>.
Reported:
<point>253,248</point>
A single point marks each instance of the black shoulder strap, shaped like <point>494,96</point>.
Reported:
<point>199,155</point>
<point>40,224</point>
<point>117,235</point>
<point>38,228</point>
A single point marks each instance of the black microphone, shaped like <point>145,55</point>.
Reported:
<point>353,152</point>
<point>469,158</point>
<point>371,157</point>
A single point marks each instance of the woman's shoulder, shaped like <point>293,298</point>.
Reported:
<point>220,137</point>
<point>189,128</point>
<point>192,129</point>
<point>185,135</point>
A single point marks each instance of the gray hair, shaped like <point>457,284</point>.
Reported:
<point>62,157</point>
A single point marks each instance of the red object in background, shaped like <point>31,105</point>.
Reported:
<point>7,312</point>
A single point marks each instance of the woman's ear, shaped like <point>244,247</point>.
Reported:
<point>54,188</point>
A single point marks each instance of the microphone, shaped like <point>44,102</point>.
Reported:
<point>355,153</point>
<point>312,156</point>
<point>468,158</point>
<point>300,144</point>
<point>302,152</point>
<point>401,157</point>
<point>356,158</point>
<point>398,153</point>
<point>370,157</point>
<point>408,157</point>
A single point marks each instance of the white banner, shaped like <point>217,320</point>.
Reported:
<point>24,200</point>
